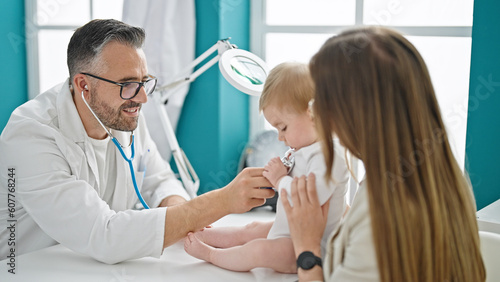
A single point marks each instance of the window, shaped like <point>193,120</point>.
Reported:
<point>293,30</point>
<point>49,26</point>
<point>284,30</point>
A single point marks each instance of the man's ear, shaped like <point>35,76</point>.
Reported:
<point>80,83</point>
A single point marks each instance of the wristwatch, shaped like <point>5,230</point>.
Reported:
<point>308,260</point>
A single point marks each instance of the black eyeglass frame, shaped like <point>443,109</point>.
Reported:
<point>123,84</point>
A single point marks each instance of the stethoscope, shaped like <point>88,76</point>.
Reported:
<point>289,160</point>
<point>120,148</point>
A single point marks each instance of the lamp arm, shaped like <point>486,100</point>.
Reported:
<point>200,58</point>
<point>188,175</point>
<point>174,86</point>
<point>220,46</point>
<point>186,69</point>
<point>186,171</point>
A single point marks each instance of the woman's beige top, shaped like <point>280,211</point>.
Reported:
<point>351,253</point>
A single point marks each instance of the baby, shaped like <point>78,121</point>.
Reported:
<point>284,102</point>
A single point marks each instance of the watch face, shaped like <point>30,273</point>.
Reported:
<point>308,263</point>
<point>308,260</point>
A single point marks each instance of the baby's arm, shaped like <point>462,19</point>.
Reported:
<point>274,171</point>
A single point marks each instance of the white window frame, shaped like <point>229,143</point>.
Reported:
<point>32,31</point>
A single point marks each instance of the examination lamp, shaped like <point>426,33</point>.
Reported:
<point>242,69</point>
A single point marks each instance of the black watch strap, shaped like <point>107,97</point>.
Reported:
<point>308,260</point>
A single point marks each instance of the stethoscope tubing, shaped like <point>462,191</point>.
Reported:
<point>127,159</point>
<point>131,166</point>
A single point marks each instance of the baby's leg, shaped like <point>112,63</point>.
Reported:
<point>225,237</point>
<point>277,254</point>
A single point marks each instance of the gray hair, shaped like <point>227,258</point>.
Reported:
<point>87,43</point>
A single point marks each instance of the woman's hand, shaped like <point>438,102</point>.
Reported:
<point>307,219</point>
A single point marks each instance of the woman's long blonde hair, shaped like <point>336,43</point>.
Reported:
<point>374,91</point>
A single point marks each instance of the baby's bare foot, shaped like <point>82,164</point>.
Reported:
<point>197,248</point>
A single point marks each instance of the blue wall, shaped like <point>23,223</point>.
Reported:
<point>13,59</point>
<point>213,127</point>
<point>483,124</point>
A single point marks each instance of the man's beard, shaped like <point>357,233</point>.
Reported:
<point>114,118</point>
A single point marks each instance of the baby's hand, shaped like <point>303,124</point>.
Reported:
<point>274,171</point>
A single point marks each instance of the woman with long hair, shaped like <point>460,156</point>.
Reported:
<point>413,218</point>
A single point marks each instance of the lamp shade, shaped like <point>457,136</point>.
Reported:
<point>244,70</point>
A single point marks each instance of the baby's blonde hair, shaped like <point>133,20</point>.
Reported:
<point>289,85</point>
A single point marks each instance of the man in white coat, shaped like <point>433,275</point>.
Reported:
<point>64,181</point>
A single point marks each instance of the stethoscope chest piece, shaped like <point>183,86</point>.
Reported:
<point>289,160</point>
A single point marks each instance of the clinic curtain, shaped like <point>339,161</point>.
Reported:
<point>169,47</point>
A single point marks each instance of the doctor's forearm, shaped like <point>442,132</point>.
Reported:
<point>194,215</point>
<point>172,201</point>
<point>242,194</point>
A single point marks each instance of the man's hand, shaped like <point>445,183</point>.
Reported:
<point>245,193</point>
<point>274,171</point>
<point>242,194</point>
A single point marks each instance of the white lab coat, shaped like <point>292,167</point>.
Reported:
<point>57,186</point>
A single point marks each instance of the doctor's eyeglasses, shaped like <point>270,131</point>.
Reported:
<point>128,90</point>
